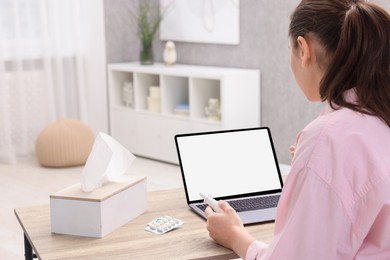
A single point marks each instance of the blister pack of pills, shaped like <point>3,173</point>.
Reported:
<point>162,225</point>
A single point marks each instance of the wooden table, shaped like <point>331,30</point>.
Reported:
<point>131,241</point>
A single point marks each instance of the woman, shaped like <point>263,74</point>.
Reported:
<point>336,200</point>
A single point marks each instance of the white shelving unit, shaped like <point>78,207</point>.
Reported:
<point>151,133</point>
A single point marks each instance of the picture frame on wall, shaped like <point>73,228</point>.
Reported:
<point>201,21</point>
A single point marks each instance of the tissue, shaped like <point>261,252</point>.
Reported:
<point>107,162</point>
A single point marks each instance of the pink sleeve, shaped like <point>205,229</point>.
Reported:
<point>255,249</point>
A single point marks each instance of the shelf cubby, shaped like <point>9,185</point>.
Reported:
<point>118,79</point>
<point>175,92</point>
<point>142,84</point>
<point>202,90</point>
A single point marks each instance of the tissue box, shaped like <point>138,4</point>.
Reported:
<point>97,213</point>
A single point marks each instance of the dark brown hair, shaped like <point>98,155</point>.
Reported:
<point>355,35</point>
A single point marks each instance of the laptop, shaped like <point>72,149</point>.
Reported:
<point>238,166</point>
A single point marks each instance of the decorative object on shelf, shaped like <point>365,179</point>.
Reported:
<point>182,109</point>
<point>154,99</point>
<point>149,18</point>
<point>213,110</point>
<point>170,54</point>
<point>128,93</point>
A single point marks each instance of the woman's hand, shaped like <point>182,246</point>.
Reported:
<point>292,150</point>
<point>226,229</point>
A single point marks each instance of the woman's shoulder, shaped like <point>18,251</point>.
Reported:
<point>340,137</point>
<point>347,150</point>
<point>342,124</point>
<point>344,141</point>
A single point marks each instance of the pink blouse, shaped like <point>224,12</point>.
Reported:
<point>336,200</point>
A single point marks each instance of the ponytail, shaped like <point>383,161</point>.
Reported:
<point>356,38</point>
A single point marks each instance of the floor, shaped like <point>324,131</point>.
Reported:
<point>27,183</point>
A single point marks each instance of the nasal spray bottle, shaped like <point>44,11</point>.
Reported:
<point>211,202</point>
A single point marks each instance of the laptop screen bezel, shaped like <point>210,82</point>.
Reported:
<point>229,131</point>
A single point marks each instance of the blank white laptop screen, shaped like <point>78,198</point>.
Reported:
<point>228,163</point>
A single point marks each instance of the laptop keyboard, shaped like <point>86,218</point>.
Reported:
<point>250,203</point>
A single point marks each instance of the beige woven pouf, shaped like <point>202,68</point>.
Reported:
<point>64,143</point>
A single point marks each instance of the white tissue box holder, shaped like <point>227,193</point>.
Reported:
<point>97,213</point>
